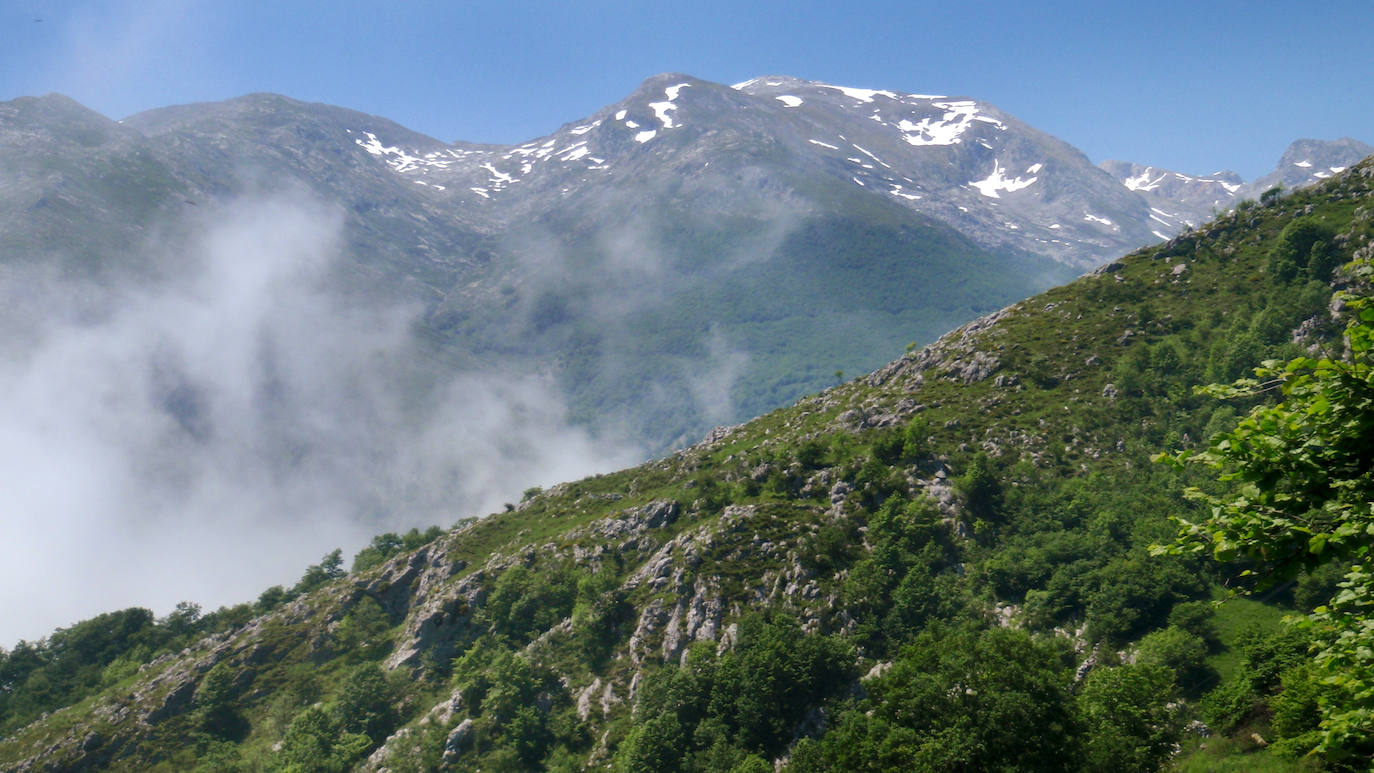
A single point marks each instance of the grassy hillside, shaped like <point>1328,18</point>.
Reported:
<point>942,565</point>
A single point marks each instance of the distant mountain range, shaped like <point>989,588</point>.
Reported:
<point>1179,200</point>
<point>691,255</point>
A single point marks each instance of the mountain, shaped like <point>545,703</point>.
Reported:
<point>968,164</point>
<point>1307,161</point>
<point>77,186</point>
<point>707,277</point>
<point>1179,201</point>
<point>691,255</point>
<point>942,564</point>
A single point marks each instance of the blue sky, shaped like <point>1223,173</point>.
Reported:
<point>1194,86</point>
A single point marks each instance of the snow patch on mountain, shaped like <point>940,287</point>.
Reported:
<point>662,110</point>
<point>789,100</point>
<point>1149,179</point>
<point>501,168</point>
<point>898,191</point>
<point>997,181</point>
<point>401,160</point>
<point>863,95</point>
<point>949,128</point>
<point>412,162</point>
<point>870,155</point>
<point>498,177</point>
<point>574,153</point>
<point>1144,181</point>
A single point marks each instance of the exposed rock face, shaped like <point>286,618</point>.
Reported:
<point>443,611</point>
<point>636,522</point>
<point>585,697</point>
<point>693,619</point>
<point>650,621</point>
<point>458,741</point>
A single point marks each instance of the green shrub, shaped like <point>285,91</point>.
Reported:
<point>1131,725</point>
<point>1182,653</point>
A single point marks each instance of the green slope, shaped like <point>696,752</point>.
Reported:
<point>939,566</point>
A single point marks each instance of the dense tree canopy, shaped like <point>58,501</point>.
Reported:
<point>1299,495</point>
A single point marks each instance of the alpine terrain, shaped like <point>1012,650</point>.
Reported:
<point>692,255</point>
<point>965,559</point>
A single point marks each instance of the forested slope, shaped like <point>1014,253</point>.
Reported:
<point>943,565</point>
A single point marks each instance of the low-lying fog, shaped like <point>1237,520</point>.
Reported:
<point>207,435</point>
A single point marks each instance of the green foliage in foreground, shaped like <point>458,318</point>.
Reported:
<point>1300,496</point>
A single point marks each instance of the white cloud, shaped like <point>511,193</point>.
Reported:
<point>211,434</point>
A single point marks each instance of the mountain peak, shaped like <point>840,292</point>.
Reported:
<point>60,117</point>
<point>655,86</point>
<point>776,84</point>
<point>49,107</point>
<point>1308,160</point>
<point>666,79</point>
<point>1319,153</point>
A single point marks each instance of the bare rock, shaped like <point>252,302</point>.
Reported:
<point>672,634</point>
<point>584,698</point>
<point>650,621</point>
<point>976,368</point>
<point>703,614</point>
<point>839,491</point>
<point>608,698</point>
<point>457,741</point>
<point>719,433</point>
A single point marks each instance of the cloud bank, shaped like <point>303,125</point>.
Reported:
<point>208,434</point>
